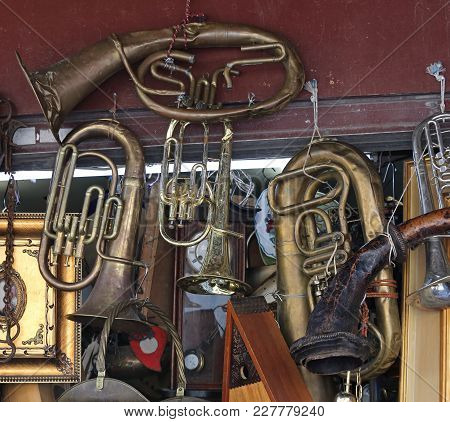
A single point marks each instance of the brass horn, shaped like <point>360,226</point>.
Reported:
<point>432,137</point>
<point>181,196</point>
<point>113,227</point>
<point>93,65</point>
<point>310,246</point>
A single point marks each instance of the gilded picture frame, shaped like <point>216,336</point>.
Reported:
<point>49,345</point>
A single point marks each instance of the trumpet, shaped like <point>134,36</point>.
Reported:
<point>431,136</point>
<point>317,243</point>
<point>182,196</point>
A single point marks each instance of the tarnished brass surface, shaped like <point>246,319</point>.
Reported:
<point>286,198</point>
<point>62,86</point>
<point>56,356</point>
<point>114,272</point>
<point>215,276</point>
<point>431,136</point>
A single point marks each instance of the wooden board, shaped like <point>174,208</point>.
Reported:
<point>249,393</point>
<point>425,363</point>
<point>253,342</point>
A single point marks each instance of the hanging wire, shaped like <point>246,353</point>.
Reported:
<point>242,181</point>
<point>436,69</point>
<point>312,87</point>
<point>113,110</point>
<point>332,259</point>
<point>393,252</point>
<point>188,16</point>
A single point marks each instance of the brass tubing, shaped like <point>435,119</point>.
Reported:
<point>285,198</point>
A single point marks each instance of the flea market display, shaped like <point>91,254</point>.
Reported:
<point>279,285</point>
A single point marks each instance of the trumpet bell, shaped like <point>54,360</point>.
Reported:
<point>213,284</point>
<point>93,313</point>
<point>47,94</point>
<point>215,276</point>
<point>110,288</point>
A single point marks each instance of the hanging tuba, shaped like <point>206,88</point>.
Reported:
<point>431,138</point>
<point>113,228</point>
<point>312,243</point>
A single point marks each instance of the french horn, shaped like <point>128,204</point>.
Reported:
<point>431,139</point>
<point>95,64</point>
<point>311,247</point>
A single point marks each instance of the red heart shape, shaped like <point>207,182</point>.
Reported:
<point>149,349</point>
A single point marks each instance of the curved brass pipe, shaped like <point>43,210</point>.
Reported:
<point>201,94</point>
<point>252,62</point>
<point>160,64</point>
<point>61,87</point>
<point>113,271</point>
<point>285,198</point>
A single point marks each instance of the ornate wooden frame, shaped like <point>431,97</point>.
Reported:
<point>54,354</point>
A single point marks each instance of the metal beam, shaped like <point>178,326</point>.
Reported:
<point>370,123</point>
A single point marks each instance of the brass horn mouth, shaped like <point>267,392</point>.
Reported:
<point>37,83</point>
<point>213,284</point>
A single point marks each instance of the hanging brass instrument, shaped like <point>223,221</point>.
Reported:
<point>61,87</point>
<point>180,196</point>
<point>113,227</point>
<point>431,139</point>
<point>64,85</point>
<point>305,253</point>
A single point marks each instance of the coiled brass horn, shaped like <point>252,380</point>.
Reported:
<point>113,227</point>
<point>95,64</point>
<point>309,246</point>
<point>431,139</point>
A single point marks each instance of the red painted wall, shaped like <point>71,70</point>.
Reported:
<point>353,47</point>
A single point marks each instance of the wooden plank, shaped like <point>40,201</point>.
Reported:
<point>271,357</point>
<point>249,393</point>
<point>424,345</point>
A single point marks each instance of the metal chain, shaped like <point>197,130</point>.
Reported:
<point>10,318</point>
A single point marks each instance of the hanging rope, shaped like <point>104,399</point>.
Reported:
<point>436,69</point>
<point>393,252</point>
<point>364,311</point>
<point>188,16</point>
<point>376,284</point>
